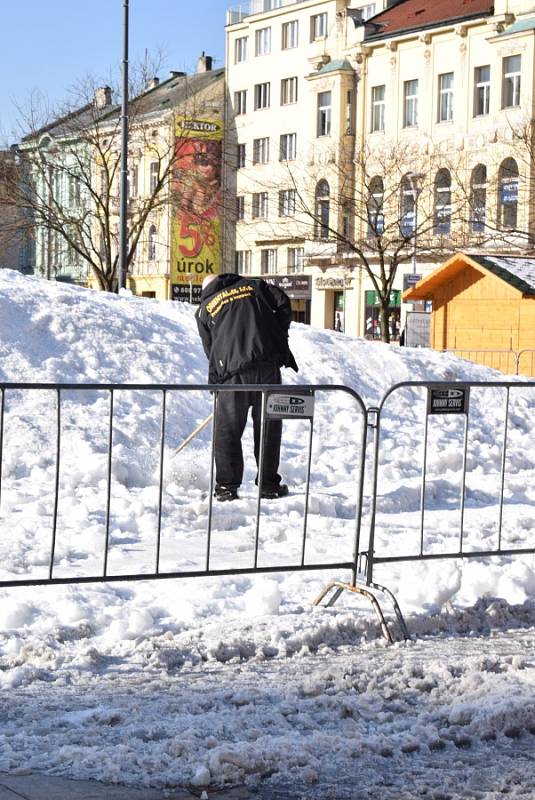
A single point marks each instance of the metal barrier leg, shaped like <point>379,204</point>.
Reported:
<point>340,586</point>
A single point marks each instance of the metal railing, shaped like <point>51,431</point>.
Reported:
<point>511,362</point>
<point>495,397</point>
<point>445,427</point>
<point>12,395</point>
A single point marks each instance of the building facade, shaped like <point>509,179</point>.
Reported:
<point>418,115</point>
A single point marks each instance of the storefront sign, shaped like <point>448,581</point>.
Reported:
<point>339,283</point>
<point>298,288</point>
<point>294,405</point>
<point>448,400</point>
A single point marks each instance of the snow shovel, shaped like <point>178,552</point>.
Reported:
<point>194,433</point>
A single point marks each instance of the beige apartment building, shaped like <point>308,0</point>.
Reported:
<point>439,93</point>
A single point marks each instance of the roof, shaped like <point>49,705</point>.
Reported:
<point>517,271</point>
<point>169,94</point>
<point>520,26</point>
<point>334,66</point>
<point>409,15</point>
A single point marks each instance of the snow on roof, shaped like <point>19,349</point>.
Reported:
<point>518,271</point>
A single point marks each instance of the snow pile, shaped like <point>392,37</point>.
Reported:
<point>154,631</point>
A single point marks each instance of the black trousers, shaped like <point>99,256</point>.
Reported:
<point>231,417</point>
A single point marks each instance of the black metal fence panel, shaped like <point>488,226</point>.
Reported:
<point>91,488</point>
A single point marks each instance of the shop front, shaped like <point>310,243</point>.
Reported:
<point>372,315</point>
<point>299,290</point>
<point>333,307</point>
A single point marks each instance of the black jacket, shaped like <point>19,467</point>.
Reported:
<point>243,322</point>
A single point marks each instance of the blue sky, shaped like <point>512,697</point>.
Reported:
<point>47,45</point>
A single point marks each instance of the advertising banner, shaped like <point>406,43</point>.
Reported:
<point>196,227</point>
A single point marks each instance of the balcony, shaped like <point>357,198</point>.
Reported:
<point>247,9</point>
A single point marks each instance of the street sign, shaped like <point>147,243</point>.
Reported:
<point>410,279</point>
<point>448,400</point>
<point>290,405</point>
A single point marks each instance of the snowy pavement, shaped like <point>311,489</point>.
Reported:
<point>445,717</point>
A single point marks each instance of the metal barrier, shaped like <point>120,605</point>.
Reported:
<point>511,362</point>
<point>278,402</point>
<point>402,520</point>
<point>503,360</point>
<point>447,407</point>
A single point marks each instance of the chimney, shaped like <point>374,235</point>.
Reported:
<point>204,64</point>
<point>175,74</point>
<point>102,96</point>
<point>152,83</point>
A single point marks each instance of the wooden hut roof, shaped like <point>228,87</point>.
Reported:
<point>517,271</point>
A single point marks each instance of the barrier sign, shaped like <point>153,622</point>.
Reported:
<point>290,406</point>
<point>448,400</point>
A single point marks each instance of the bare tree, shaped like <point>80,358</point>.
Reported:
<point>377,209</point>
<point>66,186</point>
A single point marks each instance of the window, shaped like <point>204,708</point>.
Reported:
<point>240,102</point>
<point>378,108</point>
<point>152,243</point>
<point>375,207</point>
<point>154,170</point>
<point>318,26</point>
<point>324,114</point>
<point>74,190</point>
<point>367,11</point>
<point>290,34</point>
<point>240,156</point>
<point>481,91</point>
<point>260,205</point>
<point>508,194</point>
<point>262,41</point>
<point>478,198</point>
<point>240,207</point>
<point>322,229</point>
<point>350,112</point>
<point>511,81</point>
<point>445,97</point>
<point>288,147</point>
<point>442,208</point>
<point>410,104</point>
<point>261,150</point>
<point>103,184</point>
<point>286,202</point>
<point>408,206</point>
<point>133,181</point>
<point>268,261</point>
<point>296,258</point>
<point>240,49</point>
<point>288,91</point>
<point>261,95</point>
<point>243,262</point>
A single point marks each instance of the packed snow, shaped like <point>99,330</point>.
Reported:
<point>240,679</point>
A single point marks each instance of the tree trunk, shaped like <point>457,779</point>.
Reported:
<point>385,313</point>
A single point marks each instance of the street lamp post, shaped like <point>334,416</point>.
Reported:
<point>123,233</point>
<point>415,179</point>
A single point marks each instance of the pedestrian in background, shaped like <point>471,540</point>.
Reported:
<point>244,324</point>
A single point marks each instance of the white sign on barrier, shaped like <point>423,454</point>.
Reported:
<point>290,406</point>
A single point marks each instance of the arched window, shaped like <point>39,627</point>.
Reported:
<point>375,207</point>
<point>508,193</point>
<point>478,198</point>
<point>442,208</point>
<point>408,205</point>
<point>152,243</point>
<point>322,210</point>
